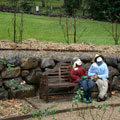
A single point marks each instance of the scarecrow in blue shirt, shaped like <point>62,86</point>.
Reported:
<point>99,70</point>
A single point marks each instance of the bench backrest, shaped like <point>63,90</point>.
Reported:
<point>64,72</point>
<point>60,74</point>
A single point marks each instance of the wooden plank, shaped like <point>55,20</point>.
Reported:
<point>59,74</point>
<point>53,73</point>
<point>64,67</point>
<point>60,85</point>
<point>50,77</point>
<point>19,117</point>
<point>31,103</point>
<point>64,76</point>
<point>66,79</point>
<point>65,72</point>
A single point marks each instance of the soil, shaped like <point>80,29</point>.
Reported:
<point>14,107</point>
<point>65,102</point>
<point>50,46</point>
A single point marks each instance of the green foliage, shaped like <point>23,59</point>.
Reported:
<point>25,109</point>
<point>13,3</point>
<point>26,5</point>
<point>102,106</point>
<point>119,109</point>
<point>12,84</point>
<point>48,111</point>
<point>96,105</point>
<point>105,9</point>
<point>9,67</point>
<point>21,87</point>
<point>4,62</point>
<point>70,6</point>
<point>79,95</point>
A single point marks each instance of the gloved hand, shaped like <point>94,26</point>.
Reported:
<point>85,77</point>
<point>95,77</point>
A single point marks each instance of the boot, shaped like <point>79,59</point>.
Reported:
<point>85,100</point>
<point>101,99</point>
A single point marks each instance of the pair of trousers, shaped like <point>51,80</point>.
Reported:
<point>102,87</point>
<point>86,84</point>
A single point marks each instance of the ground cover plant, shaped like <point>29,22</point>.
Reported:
<point>49,29</point>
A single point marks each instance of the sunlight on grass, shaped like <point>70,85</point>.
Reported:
<point>48,29</point>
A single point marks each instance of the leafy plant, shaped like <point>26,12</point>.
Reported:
<point>48,111</point>
<point>98,114</point>
<point>26,109</point>
<point>78,97</point>
<point>119,109</point>
<point>9,67</point>
<point>21,87</point>
<point>13,84</point>
<point>4,62</point>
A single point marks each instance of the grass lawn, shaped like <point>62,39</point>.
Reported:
<point>48,29</point>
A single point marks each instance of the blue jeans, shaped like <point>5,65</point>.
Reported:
<point>86,84</point>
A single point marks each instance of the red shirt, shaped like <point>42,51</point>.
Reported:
<point>77,73</point>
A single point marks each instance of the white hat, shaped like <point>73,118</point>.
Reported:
<point>78,62</point>
<point>99,59</point>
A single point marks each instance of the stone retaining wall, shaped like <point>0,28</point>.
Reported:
<point>19,77</point>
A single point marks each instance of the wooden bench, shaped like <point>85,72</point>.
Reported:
<point>59,77</point>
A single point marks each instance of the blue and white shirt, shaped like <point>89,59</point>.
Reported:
<point>101,70</point>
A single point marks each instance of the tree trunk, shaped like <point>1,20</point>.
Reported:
<point>75,30</point>
<point>21,31</point>
<point>43,3</point>
<point>116,33</point>
<point>15,25</point>
<point>67,30</point>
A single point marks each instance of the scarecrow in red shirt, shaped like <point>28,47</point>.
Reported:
<point>78,75</point>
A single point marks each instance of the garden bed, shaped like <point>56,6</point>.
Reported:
<point>14,107</point>
<point>34,45</point>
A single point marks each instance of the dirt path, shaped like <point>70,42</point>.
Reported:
<point>66,103</point>
<point>20,107</point>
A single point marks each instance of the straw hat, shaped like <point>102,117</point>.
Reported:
<point>98,58</point>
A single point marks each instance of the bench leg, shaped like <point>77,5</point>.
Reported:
<point>110,90</point>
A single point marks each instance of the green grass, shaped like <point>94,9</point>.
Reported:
<point>48,29</point>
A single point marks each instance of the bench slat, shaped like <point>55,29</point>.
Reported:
<point>65,75</point>
<point>49,77</point>
<point>60,85</point>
